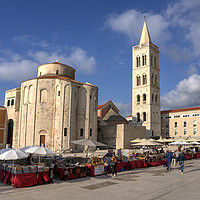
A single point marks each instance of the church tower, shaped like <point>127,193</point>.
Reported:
<point>146,84</point>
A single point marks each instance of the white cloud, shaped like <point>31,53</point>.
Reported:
<point>30,40</point>
<point>124,109</point>
<point>14,67</point>
<point>131,21</point>
<point>192,69</point>
<point>186,94</point>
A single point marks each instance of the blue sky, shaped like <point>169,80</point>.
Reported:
<point>95,37</point>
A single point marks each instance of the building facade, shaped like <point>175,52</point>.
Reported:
<point>181,122</point>
<point>2,125</point>
<point>146,84</point>
<point>51,110</point>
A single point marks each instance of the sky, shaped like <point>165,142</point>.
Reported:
<point>95,37</point>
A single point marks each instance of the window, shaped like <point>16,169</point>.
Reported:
<point>138,80</point>
<point>151,60</point>
<point>12,102</point>
<point>65,131</point>
<point>58,93</point>
<point>185,131</point>
<point>91,132</point>
<point>40,73</point>
<point>186,115</point>
<point>56,72</point>
<point>175,124</point>
<point>144,98</point>
<point>90,96</point>
<point>144,116</point>
<point>144,79</point>
<point>176,116</point>
<point>195,123</point>
<point>138,117</point>
<point>8,103</point>
<point>81,132</point>
<point>138,61</point>
<point>138,99</point>
<point>152,76</point>
<point>175,132</point>
<point>156,98</point>
<point>155,61</point>
<point>167,124</point>
<point>152,97</point>
<point>167,132</point>
<point>43,96</point>
<point>155,80</point>
<point>185,124</point>
<point>194,131</point>
<point>144,60</point>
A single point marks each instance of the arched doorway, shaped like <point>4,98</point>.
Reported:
<point>10,132</point>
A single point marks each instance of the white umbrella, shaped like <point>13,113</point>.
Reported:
<point>38,150</point>
<point>179,143</point>
<point>4,150</point>
<point>147,143</point>
<point>86,142</point>
<point>27,147</point>
<point>13,154</point>
<point>195,143</point>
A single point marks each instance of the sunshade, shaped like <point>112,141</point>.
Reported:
<point>13,154</point>
<point>192,139</point>
<point>147,143</point>
<point>39,150</point>
<point>86,142</point>
<point>139,140</point>
<point>4,150</point>
<point>179,143</point>
<point>179,139</point>
<point>195,143</point>
<point>165,140</point>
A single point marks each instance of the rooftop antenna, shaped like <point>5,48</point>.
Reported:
<point>145,18</point>
<point>57,60</point>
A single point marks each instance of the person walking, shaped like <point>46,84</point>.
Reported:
<point>181,159</point>
<point>169,157</point>
<point>113,165</point>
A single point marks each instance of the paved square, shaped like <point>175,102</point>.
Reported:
<point>141,184</point>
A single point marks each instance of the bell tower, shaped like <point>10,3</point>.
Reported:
<point>146,84</point>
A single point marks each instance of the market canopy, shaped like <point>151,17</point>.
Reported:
<point>139,140</point>
<point>179,143</point>
<point>165,140</point>
<point>147,143</point>
<point>13,154</point>
<point>194,143</point>
<point>86,142</point>
<point>38,150</point>
<point>192,139</point>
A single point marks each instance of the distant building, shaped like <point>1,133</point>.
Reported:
<point>51,110</point>
<point>114,130</point>
<point>2,126</point>
<point>183,122</point>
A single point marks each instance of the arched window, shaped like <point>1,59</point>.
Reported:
<point>43,96</point>
<point>155,80</point>
<point>155,61</point>
<point>8,103</point>
<point>151,60</point>
<point>156,98</point>
<point>152,77</point>
<point>56,72</point>
<point>144,79</point>
<point>65,131</point>
<point>138,80</point>
<point>138,117</point>
<point>144,116</point>
<point>138,99</point>
<point>12,102</point>
<point>152,97</point>
<point>81,132</point>
<point>90,132</point>
<point>144,98</point>
<point>138,61</point>
<point>145,59</point>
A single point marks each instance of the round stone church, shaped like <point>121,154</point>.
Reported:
<point>51,110</point>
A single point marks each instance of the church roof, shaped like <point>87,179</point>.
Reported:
<point>145,37</point>
<point>113,116</point>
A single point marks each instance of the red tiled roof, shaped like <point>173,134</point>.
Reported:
<point>63,78</point>
<point>129,116</point>
<point>179,110</point>
<point>100,106</point>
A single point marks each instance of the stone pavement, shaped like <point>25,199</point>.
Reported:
<point>140,184</point>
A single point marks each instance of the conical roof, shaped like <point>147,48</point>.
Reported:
<point>145,37</point>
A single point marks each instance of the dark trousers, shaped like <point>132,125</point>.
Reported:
<point>114,169</point>
<point>168,163</point>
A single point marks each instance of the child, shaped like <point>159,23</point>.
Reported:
<point>106,167</point>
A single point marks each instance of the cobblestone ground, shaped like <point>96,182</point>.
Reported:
<point>141,184</point>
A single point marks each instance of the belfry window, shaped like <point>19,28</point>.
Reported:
<point>152,77</point>
<point>65,131</point>
<point>138,99</point>
<point>156,98</point>
<point>144,98</point>
<point>138,61</point>
<point>138,80</point>
<point>152,97</point>
<point>90,132</point>
<point>155,61</point>
<point>81,132</point>
<point>144,79</point>
<point>56,72</point>
<point>144,116</point>
<point>151,60</point>
<point>155,80</point>
<point>138,117</point>
<point>12,102</point>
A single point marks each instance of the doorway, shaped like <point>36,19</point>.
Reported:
<point>42,140</point>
